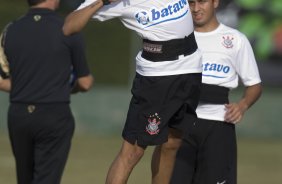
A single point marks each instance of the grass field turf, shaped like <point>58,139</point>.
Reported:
<point>259,161</point>
<point>102,113</point>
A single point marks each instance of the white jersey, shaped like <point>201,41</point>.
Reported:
<point>156,20</point>
<point>227,55</point>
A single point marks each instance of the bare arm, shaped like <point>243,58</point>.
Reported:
<point>5,85</point>
<point>77,20</point>
<point>235,111</point>
<point>83,84</point>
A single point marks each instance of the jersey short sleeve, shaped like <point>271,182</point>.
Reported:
<point>246,65</point>
<point>107,12</point>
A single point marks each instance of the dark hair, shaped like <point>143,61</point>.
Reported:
<point>34,2</point>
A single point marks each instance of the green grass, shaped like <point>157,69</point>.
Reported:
<point>102,112</point>
<point>259,161</point>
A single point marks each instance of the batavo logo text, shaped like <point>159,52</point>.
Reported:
<point>156,16</point>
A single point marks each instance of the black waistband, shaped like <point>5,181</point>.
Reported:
<point>168,50</point>
<point>214,94</point>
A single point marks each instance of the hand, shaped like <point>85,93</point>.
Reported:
<point>234,113</point>
<point>113,1</point>
<point>5,84</point>
<point>107,2</point>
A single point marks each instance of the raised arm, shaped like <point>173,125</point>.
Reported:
<point>235,111</point>
<point>77,20</point>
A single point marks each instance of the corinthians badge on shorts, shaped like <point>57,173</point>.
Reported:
<point>153,127</point>
<point>227,42</point>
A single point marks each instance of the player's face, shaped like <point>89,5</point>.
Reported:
<point>203,11</point>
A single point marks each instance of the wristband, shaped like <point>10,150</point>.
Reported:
<point>106,2</point>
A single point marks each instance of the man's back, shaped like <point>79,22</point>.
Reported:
<point>39,57</point>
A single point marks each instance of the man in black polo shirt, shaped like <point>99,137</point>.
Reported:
<point>38,58</point>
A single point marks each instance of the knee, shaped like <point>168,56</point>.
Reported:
<point>171,146</point>
<point>135,155</point>
<point>132,156</point>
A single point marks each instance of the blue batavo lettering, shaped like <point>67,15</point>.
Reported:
<point>169,10</point>
<point>216,67</point>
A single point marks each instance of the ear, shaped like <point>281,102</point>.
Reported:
<point>215,3</point>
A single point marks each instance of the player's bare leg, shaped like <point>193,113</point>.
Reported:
<point>123,164</point>
<point>164,157</point>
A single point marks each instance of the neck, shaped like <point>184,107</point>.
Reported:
<point>208,27</point>
<point>46,4</point>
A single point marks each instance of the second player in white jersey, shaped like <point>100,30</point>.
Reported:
<point>209,154</point>
<point>227,56</point>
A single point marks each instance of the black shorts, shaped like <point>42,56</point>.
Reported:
<point>159,103</point>
<point>208,156</point>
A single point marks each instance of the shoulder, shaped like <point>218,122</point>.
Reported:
<point>4,32</point>
<point>17,21</point>
<point>233,31</point>
<point>234,34</point>
<point>54,18</point>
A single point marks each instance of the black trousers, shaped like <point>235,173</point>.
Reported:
<point>208,155</point>
<point>40,136</point>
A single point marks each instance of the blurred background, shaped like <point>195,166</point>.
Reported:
<point>100,114</point>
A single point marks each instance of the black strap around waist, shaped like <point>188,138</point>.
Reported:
<point>214,94</point>
<point>168,50</point>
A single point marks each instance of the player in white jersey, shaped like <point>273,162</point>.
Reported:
<point>209,154</point>
<point>167,83</point>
